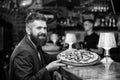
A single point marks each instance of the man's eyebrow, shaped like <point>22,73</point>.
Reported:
<point>41,27</point>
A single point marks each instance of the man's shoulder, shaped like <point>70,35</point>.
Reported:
<point>23,48</point>
<point>95,35</point>
<point>23,45</point>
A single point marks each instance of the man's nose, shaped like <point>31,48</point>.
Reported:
<point>43,30</point>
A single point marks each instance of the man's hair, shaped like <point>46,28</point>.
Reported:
<point>89,20</point>
<point>34,16</point>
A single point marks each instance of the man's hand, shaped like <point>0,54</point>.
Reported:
<point>54,65</point>
<point>99,50</point>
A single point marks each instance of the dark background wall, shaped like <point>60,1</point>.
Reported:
<point>116,4</point>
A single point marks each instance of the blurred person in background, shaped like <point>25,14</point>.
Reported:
<point>54,39</point>
<point>91,39</point>
<point>28,61</point>
<point>115,52</point>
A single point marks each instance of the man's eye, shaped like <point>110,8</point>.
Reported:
<point>42,27</point>
<point>39,27</point>
<point>45,28</point>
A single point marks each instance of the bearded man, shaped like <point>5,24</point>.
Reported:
<point>28,61</point>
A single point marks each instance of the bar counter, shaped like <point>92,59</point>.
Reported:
<point>93,72</point>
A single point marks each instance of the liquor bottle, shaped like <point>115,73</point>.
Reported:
<point>102,22</point>
<point>106,23</point>
<point>113,23</point>
<point>110,21</point>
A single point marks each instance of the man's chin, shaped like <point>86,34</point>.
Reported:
<point>42,42</point>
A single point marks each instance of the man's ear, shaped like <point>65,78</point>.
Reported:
<point>28,30</point>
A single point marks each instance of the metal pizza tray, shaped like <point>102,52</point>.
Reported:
<point>81,64</point>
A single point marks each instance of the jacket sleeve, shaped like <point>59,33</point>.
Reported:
<point>24,68</point>
<point>49,58</point>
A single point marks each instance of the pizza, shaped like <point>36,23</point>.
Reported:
<point>78,56</point>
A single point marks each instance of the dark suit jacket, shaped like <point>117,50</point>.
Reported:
<point>115,53</point>
<point>25,63</point>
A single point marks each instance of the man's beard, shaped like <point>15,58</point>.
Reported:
<point>37,41</point>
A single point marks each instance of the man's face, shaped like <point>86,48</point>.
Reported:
<point>87,25</point>
<point>38,32</point>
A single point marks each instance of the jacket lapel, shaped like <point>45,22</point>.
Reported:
<point>38,61</point>
<point>42,55</point>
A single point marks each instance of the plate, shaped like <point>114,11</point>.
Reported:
<point>97,60</point>
<point>50,48</point>
<point>81,65</point>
